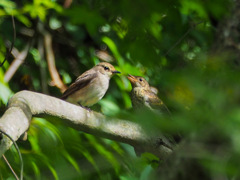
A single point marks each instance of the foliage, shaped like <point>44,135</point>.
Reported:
<point>167,42</point>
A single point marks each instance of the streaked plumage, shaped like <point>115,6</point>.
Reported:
<point>143,95</point>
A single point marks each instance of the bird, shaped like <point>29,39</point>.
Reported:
<point>154,90</point>
<point>144,95</point>
<point>90,86</point>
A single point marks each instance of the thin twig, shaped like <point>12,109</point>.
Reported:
<point>14,38</point>
<point>15,52</point>
<point>42,66</point>
<point>103,55</point>
<point>10,167</point>
<point>51,63</point>
<point>67,3</point>
<point>19,153</point>
<point>182,37</point>
<point>16,63</point>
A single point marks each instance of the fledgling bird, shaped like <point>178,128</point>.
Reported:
<point>144,95</point>
<point>91,86</point>
<point>154,90</point>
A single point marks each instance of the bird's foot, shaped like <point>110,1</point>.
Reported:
<point>84,107</point>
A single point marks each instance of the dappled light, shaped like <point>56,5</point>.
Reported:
<point>188,52</point>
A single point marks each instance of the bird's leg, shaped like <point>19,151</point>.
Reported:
<point>160,142</point>
<point>84,107</point>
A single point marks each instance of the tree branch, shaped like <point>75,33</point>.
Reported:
<point>51,63</point>
<point>16,64</point>
<point>23,105</point>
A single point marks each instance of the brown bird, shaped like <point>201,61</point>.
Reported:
<point>91,86</point>
<point>144,95</point>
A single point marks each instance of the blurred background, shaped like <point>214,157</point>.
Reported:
<point>188,50</point>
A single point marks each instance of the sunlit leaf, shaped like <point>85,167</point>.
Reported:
<point>193,6</point>
<point>71,160</point>
<point>114,49</point>
<point>48,128</point>
<point>53,171</point>
<point>103,151</point>
<point>36,170</point>
<point>6,93</point>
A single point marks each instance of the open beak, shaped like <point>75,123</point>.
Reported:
<point>115,72</point>
<point>131,78</point>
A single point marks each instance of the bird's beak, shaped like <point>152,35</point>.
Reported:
<point>115,72</point>
<point>131,78</point>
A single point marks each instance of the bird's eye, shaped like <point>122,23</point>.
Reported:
<point>140,79</point>
<point>106,68</point>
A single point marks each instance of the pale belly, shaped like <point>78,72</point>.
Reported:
<point>91,94</point>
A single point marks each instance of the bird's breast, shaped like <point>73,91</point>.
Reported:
<point>137,97</point>
<point>99,87</point>
<point>92,93</point>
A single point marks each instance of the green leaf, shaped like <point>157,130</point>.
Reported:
<point>6,93</point>
<point>103,151</point>
<point>54,173</point>
<point>109,107</point>
<point>151,159</point>
<point>36,170</point>
<point>71,160</point>
<point>193,6</point>
<point>90,18</point>
<point>112,46</point>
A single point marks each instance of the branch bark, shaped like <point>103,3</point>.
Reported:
<point>51,63</point>
<point>23,105</point>
<point>16,64</point>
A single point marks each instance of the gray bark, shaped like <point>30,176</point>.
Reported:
<point>25,104</point>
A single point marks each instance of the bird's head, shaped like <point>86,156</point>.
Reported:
<point>138,81</point>
<point>107,69</point>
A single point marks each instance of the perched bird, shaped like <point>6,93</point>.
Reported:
<point>144,95</point>
<point>154,90</point>
<point>91,86</point>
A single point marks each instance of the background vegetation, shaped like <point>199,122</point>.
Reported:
<point>178,46</point>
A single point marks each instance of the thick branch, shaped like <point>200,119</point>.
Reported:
<point>24,104</point>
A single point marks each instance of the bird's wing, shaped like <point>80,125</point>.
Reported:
<point>156,103</point>
<point>81,82</point>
